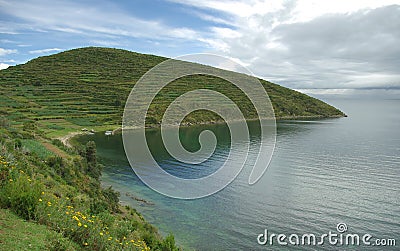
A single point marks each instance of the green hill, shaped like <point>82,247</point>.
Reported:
<point>57,188</point>
<point>87,87</point>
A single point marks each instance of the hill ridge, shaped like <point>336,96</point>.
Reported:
<point>51,88</point>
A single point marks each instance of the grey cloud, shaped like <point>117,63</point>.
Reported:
<point>356,50</point>
<point>358,36</point>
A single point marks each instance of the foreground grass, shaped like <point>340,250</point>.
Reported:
<point>61,200</point>
<point>18,234</point>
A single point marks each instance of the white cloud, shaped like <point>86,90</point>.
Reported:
<point>236,8</point>
<point>352,93</point>
<point>45,50</point>
<point>327,91</point>
<point>303,10</point>
<point>78,18</point>
<point>4,52</point>
<point>311,44</point>
<point>307,10</point>
<point>7,41</point>
<point>107,43</point>
<point>214,19</point>
<point>3,66</point>
<point>303,44</point>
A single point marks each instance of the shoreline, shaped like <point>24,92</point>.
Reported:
<point>66,138</point>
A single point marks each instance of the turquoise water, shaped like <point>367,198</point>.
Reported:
<point>323,172</point>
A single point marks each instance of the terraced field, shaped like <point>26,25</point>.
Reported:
<point>87,88</point>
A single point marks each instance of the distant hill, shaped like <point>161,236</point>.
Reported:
<point>89,86</point>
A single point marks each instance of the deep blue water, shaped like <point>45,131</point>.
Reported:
<point>322,172</point>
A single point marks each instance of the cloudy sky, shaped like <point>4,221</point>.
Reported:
<point>331,47</point>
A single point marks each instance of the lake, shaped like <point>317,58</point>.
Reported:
<point>323,172</point>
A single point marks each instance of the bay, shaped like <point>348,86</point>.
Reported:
<point>323,172</point>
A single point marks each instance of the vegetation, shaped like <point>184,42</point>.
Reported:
<point>55,189</point>
<point>18,234</point>
<point>62,202</point>
<point>87,88</point>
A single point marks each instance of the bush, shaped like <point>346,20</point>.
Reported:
<point>94,169</point>
<point>29,126</point>
<point>4,122</point>
<point>112,198</point>
<point>17,144</point>
<point>168,244</point>
<point>18,191</point>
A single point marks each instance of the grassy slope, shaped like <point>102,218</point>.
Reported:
<point>63,195</point>
<point>18,234</point>
<point>52,96</point>
<point>87,87</point>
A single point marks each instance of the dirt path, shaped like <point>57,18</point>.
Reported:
<point>55,150</point>
<point>65,139</point>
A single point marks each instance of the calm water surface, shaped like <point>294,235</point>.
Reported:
<point>323,172</point>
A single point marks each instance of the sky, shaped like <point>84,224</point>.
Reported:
<point>317,47</point>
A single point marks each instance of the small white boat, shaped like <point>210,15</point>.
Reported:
<point>108,133</point>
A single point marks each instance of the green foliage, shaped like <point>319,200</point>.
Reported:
<point>18,234</point>
<point>88,87</point>
<point>4,122</point>
<point>93,168</point>
<point>169,244</point>
<point>58,164</point>
<point>56,192</point>
<point>35,147</point>
<point>29,126</point>
<point>112,198</point>
<point>18,143</point>
<point>18,191</point>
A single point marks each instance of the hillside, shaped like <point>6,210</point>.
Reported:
<point>87,87</point>
<point>57,188</point>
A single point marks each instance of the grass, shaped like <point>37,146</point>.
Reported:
<point>87,87</point>
<point>36,147</point>
<point>56,189</point>
<point>19,234</point>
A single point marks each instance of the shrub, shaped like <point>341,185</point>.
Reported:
<point>168,244</point>
<point>4,122</point>
<point>18,191</point>
<point>112,198</point>
<point>94,169</point>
